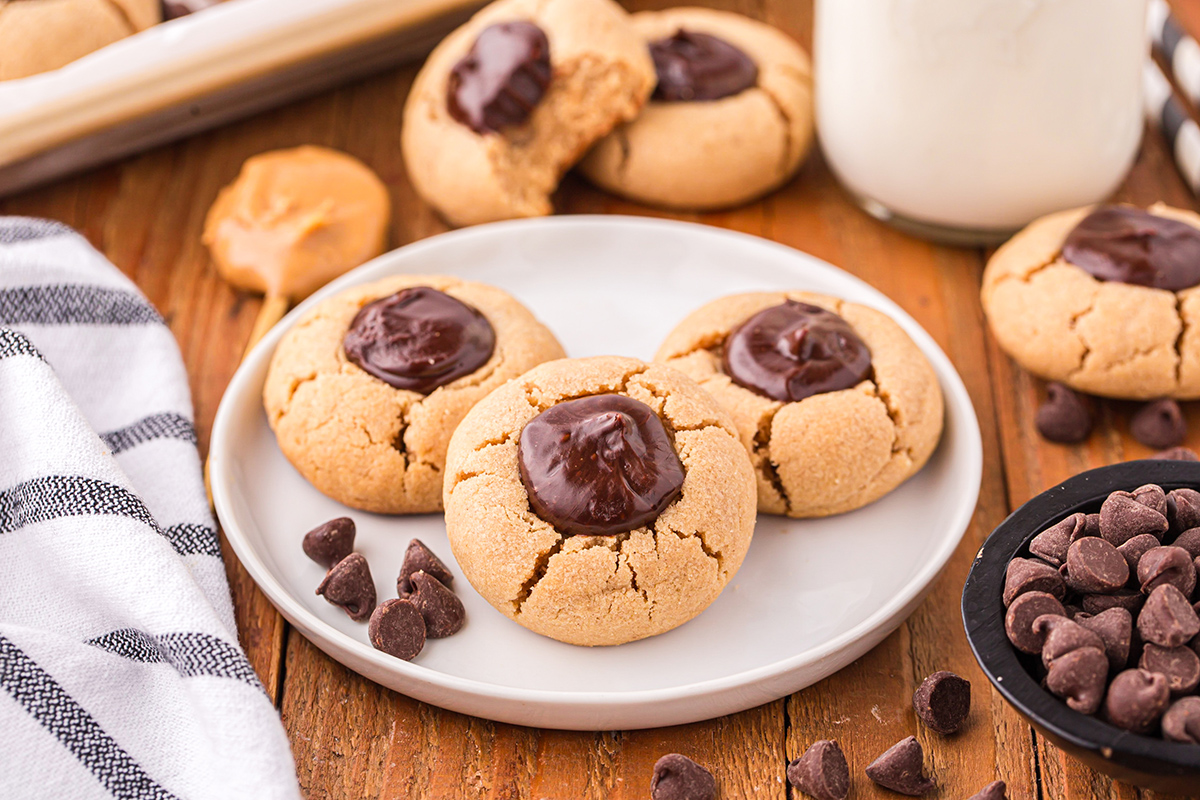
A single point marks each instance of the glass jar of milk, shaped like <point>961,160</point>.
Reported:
<point>966,119</point>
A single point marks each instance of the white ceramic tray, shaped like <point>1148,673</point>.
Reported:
<point>812,596</point>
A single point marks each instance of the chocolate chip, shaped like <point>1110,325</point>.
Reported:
<point>901,768</point>
<point>1030,575</point>
<point>677,777</point>
<point>1135,548</point>
<point>1091,526</point>
<point>1179,665</point>
<point>1079,678</point>
<point>350,586</point>
<point>1189,540</point>
<point>1051,544</point>
<point>1167,565</point>
<point>1095,567</point>
<point>821,772</point>
<point>1159,424</point>
<point>942,701</point>
<point>1018,621</point>
<point>1176,454</point>
<point>1122,517</point>
<point>443,611</point>
<point>996,790</point>
<point>1063,636</point>
<point>502,78</point>
<point>1115,629</point>
<point>695,66</point>
<point>1064,417</point>
<point>1167,618</point>
<point>330,542</point>
<point>397,629</point>
<point>1127,599</point>
<point>1181,723</point>
<point>1136,699</point>
<point>419,558</point>
<point>1183,509</point>
<point>1151,496</point>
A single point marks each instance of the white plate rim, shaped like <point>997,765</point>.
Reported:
<point>438,687</point>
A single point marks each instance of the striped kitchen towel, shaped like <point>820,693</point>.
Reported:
<point>120,670</point>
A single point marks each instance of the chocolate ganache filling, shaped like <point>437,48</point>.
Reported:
<point>502,78</point>
<point>795,350</point>
<point>697,66</point>
<point>1128,245</point>
<point>419,339</point>
<point>599,465</point>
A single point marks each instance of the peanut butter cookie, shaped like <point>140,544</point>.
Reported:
<point>833,401</point>
<point>600,500</point>
<point>364,391</point>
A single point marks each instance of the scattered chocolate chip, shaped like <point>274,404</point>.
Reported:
<point>1179,665</point>
<point>1135,548</point>
<point>1183,509</point>
<point>1064,417</point>
<point>1164,565</point>
<point>1063,636</point>
<point>349,585</point>
<point>996,790</point>
<point>1051,544</point>
<point>1115,629</point>
<point>1189,540</point>
<point>942,701</point>
<point>1136,699</point>
<point>1127,599</point>
<point>677,777</point>
<point>1167,618</point>
<point>821,772</point>
<point>1091,526</point>
<point>397,629</point>
<point>1079,678</point>
<point>1018,621</point>
<point>1073,611</point>
<point>1151,496</point>
<point>330,542</point>
<point>1176,454</point>
<point>1030,575</point>
<point>502,78</point>
<point>1095,567</point>
<point>443,611</point>
<point>1122,517</point>
<point>1181,723</point>
<point>419,558</point>
<point>1159,424</point>
<point>902,769</point>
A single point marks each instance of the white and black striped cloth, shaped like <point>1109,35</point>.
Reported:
<point>120,671</point>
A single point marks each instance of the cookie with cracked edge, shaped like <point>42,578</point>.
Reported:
<point>358,439</point>
<point>713,153</point>
<point>1100,337</point>
<point>835,451</point>
<point>601,75</point>
<point>599,589</point>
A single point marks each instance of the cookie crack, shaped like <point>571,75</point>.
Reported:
<point>1072,324</point>
<point>540,568</point>
<point>1178,344</point>
<point>788,139</point>
<point>762,453</point>
<point>884,396</point>
<point>699,536</point>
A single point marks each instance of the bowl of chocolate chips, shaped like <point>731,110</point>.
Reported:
<point>1082,609</point>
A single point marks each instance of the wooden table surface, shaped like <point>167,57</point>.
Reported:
<point>354,739</point>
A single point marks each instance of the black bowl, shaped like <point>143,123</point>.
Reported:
<point>1153,763</point>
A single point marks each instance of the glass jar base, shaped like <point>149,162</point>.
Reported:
<point>942,234</point>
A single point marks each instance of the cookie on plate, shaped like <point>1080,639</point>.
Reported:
<point>730,120</point>
<point>512,99</point>
<point>48,34</point>
<point>599,500</point>
<point>365,389</point>
<point>1104,299</point>
<point>834,402</point>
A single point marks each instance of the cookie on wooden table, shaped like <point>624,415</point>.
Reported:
<point>512,99</point>
<point>600,500</point>
<point>834,402</point>
<point>1103,299</point>
<point>364,391</point>
<point>730,120</point>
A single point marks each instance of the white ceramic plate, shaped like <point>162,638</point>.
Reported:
<point>812,595</point>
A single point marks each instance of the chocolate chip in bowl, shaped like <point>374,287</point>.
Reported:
<point>1098,682</point>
